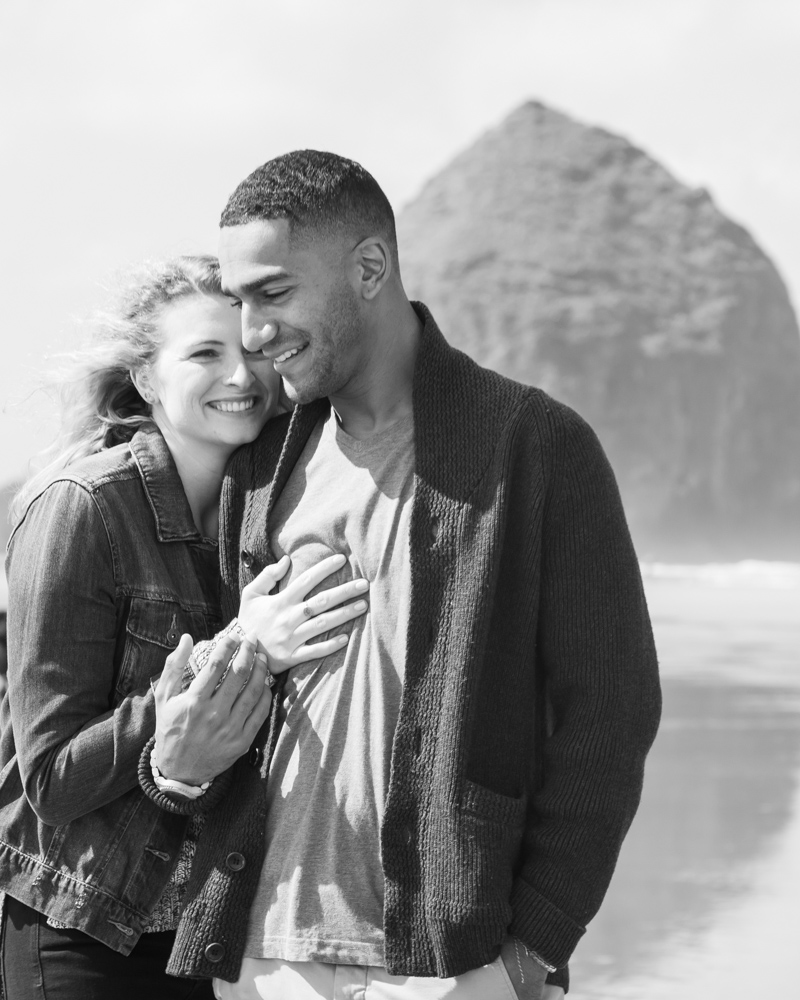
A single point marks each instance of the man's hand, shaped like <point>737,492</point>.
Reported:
<point>286,622</point>
<point>527,976</point>
<point>202,731</point>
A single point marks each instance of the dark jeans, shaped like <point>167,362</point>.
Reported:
<point>42,963</point>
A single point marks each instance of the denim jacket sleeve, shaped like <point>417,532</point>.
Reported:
<point>76,749</point>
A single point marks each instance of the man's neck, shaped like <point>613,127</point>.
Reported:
<point>384,394</point>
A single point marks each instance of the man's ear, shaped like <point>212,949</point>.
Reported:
<point>375,265</point>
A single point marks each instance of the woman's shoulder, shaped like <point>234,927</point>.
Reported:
<point>92,472</point>
<point>87,475</point>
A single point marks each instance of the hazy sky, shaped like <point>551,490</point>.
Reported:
<point>125,127</point>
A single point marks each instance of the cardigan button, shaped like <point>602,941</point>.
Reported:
<point>435,529</point>
<point>247,559</point>
<point>408,835</point>
<point>255,757</point>
<point>214,952</point>
<point>235,861</point>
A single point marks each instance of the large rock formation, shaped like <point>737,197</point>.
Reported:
<point>564,257</point>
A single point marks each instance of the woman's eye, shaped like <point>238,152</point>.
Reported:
<point>236,304</point>
<point>207,353</point>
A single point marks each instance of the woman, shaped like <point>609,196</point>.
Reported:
<point>113,557</point>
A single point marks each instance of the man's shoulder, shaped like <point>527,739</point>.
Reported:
<point>481,394</point>
<point>494,405</point>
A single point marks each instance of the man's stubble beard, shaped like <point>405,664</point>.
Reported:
<point>336,366</point>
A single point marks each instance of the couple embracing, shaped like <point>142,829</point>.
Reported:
<point>330,670</point>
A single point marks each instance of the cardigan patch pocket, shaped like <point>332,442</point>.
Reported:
<point>485,839</point>
<point>152,631</point>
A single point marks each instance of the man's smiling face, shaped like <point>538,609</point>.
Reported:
<point>299,305</point>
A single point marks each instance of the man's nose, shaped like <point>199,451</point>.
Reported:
<point>257,332</point>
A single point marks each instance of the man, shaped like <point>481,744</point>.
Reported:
<point>446,796</point>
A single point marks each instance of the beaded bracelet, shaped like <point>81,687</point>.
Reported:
<point>171,785</point>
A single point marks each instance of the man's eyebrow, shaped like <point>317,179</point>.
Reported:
<point>254,285</point>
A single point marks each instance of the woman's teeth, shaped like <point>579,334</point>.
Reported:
<point>229,406</point>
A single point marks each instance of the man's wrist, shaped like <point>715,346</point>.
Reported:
<point>171,785</point>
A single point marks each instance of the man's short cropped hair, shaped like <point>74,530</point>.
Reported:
<point>317,192</point>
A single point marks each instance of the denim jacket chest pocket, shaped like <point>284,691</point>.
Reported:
<point>152,631</point>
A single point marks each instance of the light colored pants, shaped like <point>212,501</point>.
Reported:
<point>274,979</point>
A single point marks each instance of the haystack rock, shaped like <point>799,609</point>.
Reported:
<point>564,257</point>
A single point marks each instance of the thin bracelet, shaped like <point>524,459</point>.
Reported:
<point>171,785</point>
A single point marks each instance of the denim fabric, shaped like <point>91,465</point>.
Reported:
<point>106,570</point>
<point>41,963</point>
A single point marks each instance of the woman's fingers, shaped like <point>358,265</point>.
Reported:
<point>238,674</point>
<point>269,576</point>
<point>330,619</point>
<point>250,690</point>
<point>333,596</point>
<point>314,576</point>
<point>316,650</point>
<point>210,675</point>
<point>170,681</point>
<point>260,694</point>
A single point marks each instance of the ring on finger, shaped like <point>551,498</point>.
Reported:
<point>307,611</point>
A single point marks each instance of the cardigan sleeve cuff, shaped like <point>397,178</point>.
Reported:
<point>540,925</point>
<point>181,807</point>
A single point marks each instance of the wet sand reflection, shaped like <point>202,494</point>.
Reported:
<point>708,882</point>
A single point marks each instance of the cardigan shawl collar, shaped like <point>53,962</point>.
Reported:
<point>457,421</point>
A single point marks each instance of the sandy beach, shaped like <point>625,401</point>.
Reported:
<point>705,901</point>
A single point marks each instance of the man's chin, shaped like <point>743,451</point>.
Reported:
<point>300,395</point>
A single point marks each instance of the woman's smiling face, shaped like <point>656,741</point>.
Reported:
<point>207,391</point>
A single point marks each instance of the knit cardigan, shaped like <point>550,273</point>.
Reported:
<point>531,692</point>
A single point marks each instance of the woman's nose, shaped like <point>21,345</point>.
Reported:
<point>241,377</point>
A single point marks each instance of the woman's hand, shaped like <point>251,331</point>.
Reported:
<point>286,622</point>
<point>202,731</point>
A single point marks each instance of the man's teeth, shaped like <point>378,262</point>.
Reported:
<point>229,406</point>
<point>288,354</point>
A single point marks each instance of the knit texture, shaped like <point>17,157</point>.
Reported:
<point>531,692</point>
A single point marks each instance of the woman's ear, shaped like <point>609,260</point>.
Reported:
<point>142,385</point>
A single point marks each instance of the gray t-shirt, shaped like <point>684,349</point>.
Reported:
<point>320,897</point>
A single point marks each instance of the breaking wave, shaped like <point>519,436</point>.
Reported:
<point>749,572</point>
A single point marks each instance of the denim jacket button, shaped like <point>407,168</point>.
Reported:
<point>214,952</point>
<point>235,861</point>
<point>173,635</point>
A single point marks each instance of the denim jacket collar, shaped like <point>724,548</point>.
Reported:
<point>163,487</point>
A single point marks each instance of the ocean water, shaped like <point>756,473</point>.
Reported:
<point>705,902</point>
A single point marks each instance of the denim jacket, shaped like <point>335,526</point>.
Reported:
<point>106,570</point>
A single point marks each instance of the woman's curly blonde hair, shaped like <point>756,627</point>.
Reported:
<point>100,405</point>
